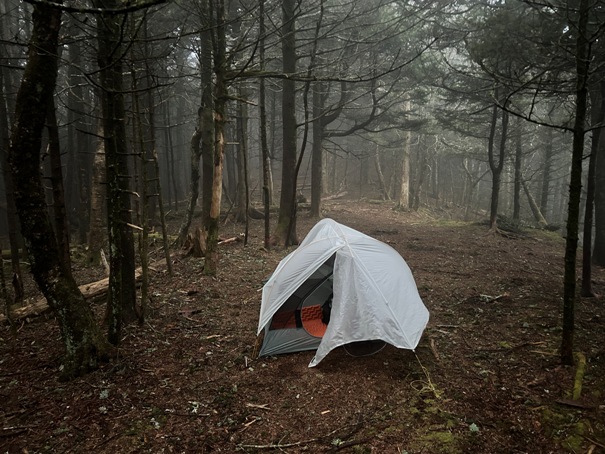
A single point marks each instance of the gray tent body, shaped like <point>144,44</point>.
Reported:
<point>287,333</point>
<point>374,295</point>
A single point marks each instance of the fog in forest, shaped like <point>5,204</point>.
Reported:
<point>434,105</point>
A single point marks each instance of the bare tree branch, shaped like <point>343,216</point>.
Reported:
<point>135,6</point>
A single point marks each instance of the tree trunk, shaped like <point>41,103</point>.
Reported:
<point>262,113</point>
<point>518,177</point>
<point>241,212</point>
<point>493,217</point>
<point>317,151</point>
<point>404,191</point>
<point>202,141</point>
<point>122,291</point>
<point>95,226</point>
<point>220,96</point>
<point>149,131</point>
<point>60,215</point>
<point>421,175</point>
<point>597,116</point>
<point>154,166</point>
<point>535,209</point>
<point>546,170</point>
<point>244,163</point>
<point>81,335</point>
<point>11,210</point>
<point>496,165</point>
<point>598,249</point>
<point>207,124</point>
<point>165,241</point>
<point>169,159</point>
<point>575,186</point>
<point>142,177</point>
<point>207,153</point>
<point>78,160</point>
<point>384,194</point>
<point>285,231</point>
<point>195,154</point>
<point>4,294</point>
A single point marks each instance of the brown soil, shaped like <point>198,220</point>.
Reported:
<point>485,378</point>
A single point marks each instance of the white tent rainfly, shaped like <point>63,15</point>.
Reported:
<point>340,287</point>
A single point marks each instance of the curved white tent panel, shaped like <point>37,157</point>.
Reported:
<point>374,294</point>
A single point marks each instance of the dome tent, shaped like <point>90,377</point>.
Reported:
<point>371,289</point>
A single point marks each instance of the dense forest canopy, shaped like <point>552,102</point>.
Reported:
<point>484,110</point>
<point>366,75</point>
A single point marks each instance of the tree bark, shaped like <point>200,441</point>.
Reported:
<point>575,186</point>
<point>165,241</point>
<point>317,151</point>
<point>95,226</point>
<point>244,163</point>
<point>262,113</point>
<point>598,249</point>
<point>421,175</point>
<point>122,291</point>
<point>546,171</point>
<point>285,231</point>
<point>597,116</point>
<point>4,294</point>
<point>403,203</point>
<point>194,189</point>
<point>11,211</point>
<point>169,158</point>
<point>81,335</point>
<point>78,171</point>
<point>535,209</point>
<point>241,214</point>
<point>56,178</point>
<point>518,177</point>
<point>496,164</point>
<point>220,96</point>
<point>142,206</point>
<point>384,193</point>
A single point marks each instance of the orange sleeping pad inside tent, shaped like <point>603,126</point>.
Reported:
<point>310,317</point>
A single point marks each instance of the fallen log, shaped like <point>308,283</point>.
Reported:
<point>91,291</point>
<point>535,209</point>
<point>230,240</point>
<point>340,195</point>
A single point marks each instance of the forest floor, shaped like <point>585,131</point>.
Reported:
<point>485,378</point>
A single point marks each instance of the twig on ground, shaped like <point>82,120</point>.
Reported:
<point>14,430</point>
<point>434,349</point>
<point>594,442</point>
<point>576,404</point>
<point>229,240</point>
<point>491,299</point>
<point>262,406</point>
<point>281,445</point>
<point>349,444</point>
